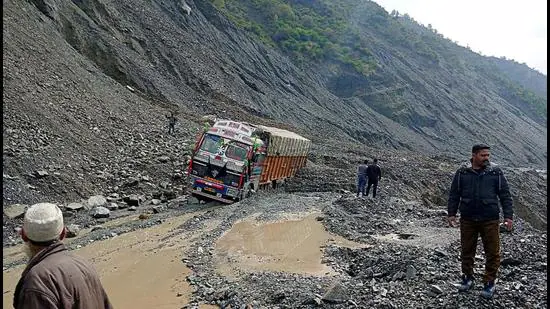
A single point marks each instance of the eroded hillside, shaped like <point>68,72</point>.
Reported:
<point>122,64</point>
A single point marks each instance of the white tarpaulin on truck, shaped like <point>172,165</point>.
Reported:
<point>285,143</point>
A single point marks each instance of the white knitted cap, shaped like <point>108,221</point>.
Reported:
<point>43,222</point>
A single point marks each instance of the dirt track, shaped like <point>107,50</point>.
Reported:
<point>136,268</point>
<point>299,250</point>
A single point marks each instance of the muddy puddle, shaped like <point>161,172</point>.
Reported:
<point>136,272</point>
<point>143,269</point>
<point>294,246</point>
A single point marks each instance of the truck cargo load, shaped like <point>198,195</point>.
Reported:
<point>233,159</point>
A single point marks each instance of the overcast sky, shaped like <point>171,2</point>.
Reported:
<point>514,29</point>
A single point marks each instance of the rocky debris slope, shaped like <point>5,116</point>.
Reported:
<point>88,134</point>
<point>84,69</point>
<point>418,267</point>
<point>529,187</point>
<point>72,130</point>
<point>153,168</point>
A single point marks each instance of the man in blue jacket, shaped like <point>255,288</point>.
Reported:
<point>476,191</point>
<point>362,178</point>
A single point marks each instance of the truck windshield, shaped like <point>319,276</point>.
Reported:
<point>211,143</point>
<point>232,149</point>
<point>237,151</point>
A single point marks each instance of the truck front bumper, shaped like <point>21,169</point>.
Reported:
<point>212,197</point>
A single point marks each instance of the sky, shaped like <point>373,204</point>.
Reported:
<point>513,29</point>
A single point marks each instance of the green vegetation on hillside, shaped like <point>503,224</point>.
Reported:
<point>306,33</point>
<point>536,105</point>
<point>344,36</point>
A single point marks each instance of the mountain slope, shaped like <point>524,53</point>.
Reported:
<point>89,82</point>
<point>390,67</point>
<point>522,74</point>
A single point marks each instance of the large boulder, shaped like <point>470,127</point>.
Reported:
<point>96,201</point>
<point>100,212</point>
<point>15,211</point>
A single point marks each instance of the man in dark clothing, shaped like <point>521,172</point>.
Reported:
<point>476,191</point>
<point>54,278</point>
<point>171,123</point>
<point>362,178</point>
<point>374,174</point>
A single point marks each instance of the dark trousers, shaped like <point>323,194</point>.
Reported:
<point>374,185</point>
<point>490,237</point>
<point>361,183</point>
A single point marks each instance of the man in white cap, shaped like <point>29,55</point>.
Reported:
<point>54,278</point>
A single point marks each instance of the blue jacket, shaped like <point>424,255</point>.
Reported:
<point>362,171</point>
<point>477,194</point>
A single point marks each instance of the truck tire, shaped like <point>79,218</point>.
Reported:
<point>199,197</point>
<point>245,193</point>
<point>248,193</point>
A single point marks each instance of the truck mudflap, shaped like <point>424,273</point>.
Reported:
<point>212,197</point>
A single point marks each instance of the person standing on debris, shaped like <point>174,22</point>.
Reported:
<point>54,278</point>
<point>171,123</point>
<point>374,174</point>
<point>362,178</point>
<point>476,191</point>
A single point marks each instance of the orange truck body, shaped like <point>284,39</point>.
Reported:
<point>286,154</point>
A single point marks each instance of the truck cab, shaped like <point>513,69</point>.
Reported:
<point>227,162</point>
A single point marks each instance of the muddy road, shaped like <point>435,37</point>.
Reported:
<point>297,250</point>
<point>143,268</point>
<point>135,270</point>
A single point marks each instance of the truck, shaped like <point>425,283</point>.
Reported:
<point>231,160</point>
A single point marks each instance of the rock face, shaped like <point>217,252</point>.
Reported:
<point>119,143</point>
<point>136,61</point>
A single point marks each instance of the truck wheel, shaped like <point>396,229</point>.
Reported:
<point>248,192</point>
<point>238,197</point>
<point>199,197</point>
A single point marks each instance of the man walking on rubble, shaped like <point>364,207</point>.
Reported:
<point>374,174</point>
<point>171,123</point>
<point>54,278</point>
<point>362,178</point>
<point>476,191</point>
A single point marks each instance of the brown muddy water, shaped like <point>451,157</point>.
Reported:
<point>136,272</point>
<point>143,269</point>
<point>290,246</point>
